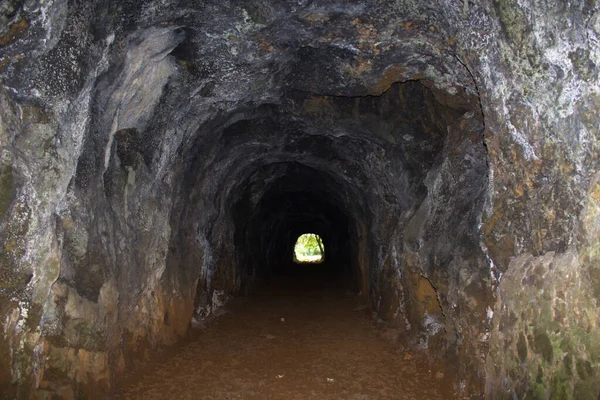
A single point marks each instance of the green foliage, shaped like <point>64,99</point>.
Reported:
<point>309,248</point>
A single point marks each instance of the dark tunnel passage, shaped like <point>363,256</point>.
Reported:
<point>298,200</point>
<point>361,172</point>
<point>159,160</point>
<point>393,184</point>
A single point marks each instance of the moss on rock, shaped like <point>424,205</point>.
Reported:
<point>584,368</point>
<point>522,348</point>
<point>568,364</point>
<point>537,391</point>
<point>513,20</point>
<point>587,390</point>
<point>595,281</point>
<point>561,390</point>
<point>34,316</point>
<point>7,189</point>
<point>543,346</point>
<point>583,64</point>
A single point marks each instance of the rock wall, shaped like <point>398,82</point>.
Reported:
<point>540,84</point>
<point>142,142</point>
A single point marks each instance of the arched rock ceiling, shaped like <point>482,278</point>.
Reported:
<point>242,52</point>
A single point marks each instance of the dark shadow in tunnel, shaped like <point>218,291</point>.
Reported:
<point>301,199</point>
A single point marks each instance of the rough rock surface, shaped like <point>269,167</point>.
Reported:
<point>155,154</point>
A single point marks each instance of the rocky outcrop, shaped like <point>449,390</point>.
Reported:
<point>154,155</point>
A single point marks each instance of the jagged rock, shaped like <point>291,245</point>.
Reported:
<point>153,154</point>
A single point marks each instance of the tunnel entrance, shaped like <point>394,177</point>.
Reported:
<point>309,249</point>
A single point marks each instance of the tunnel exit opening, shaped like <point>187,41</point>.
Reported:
<point>309,249</point>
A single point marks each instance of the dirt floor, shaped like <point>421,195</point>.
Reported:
<point>298,338</point>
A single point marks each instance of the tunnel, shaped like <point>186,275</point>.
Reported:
<point>301,200</point>
<point>160,159</point>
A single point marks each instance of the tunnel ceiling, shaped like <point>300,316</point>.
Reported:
<point>344,161</point>
<point>158,155</point>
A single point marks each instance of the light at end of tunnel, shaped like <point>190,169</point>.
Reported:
<point>309,248</point>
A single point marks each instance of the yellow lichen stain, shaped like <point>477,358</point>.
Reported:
<point>493,220</point>
<point>392,74</point>
<point>416,77</point>
<point>366,32</point>
<point>362,66</point>
<point>376,50</point>
<point>551,215</point>
<point>412,260</point>
<point>52,268</point>
<point>318,106</point>
<point>595,192</point>
<point>367,36</point>
<point>519,190</point>
<point>566,169</point>
<point>537,166</point>
<point>265,47</point>
<point>4,62</point>
<point>317,18</point>
<point>425,295</point>
<point>452,41</point>
<point>10,246</point>
<point>67,223</point>
<point>514,155</point>
<point>16,31</point>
